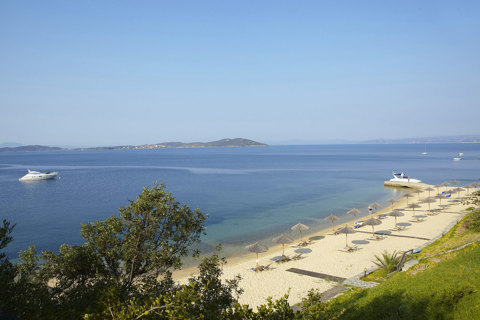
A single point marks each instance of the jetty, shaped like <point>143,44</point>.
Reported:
<point>405,184</point>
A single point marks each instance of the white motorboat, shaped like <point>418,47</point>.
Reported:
<point>401,177</point>
<point>460,154</point>
<point>35,175</point>
<point>457,159</point>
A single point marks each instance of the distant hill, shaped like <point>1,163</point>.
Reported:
<point>446,139</point>
<point>237,142</point>
<point>29,149</point>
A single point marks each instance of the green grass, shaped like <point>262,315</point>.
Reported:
<point>443,287</point>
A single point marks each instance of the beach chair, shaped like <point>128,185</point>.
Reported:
<point>376,237</point>
<point>267,267</point>
<point>283,259</point>
<point>349,249</point>
<point>297,256</point>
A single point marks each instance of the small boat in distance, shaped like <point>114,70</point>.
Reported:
<point>425,152</point>
<point>460,154</point>
<point>401,177</point>
<point>35,175</point>
<point>457,159</point>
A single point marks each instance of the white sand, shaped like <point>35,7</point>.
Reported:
<point>323,255</point>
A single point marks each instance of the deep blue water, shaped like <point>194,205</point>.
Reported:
<point>249,193</point>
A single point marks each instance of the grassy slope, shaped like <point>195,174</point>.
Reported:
<point>447,288</point>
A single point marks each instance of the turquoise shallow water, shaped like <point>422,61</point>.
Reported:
<point>249,193</point>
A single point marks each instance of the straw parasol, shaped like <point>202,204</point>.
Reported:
<point>407,195</point>
<point>282,239</point>
<point>428,200</point>
<point>418,191</point>
<point>332,218</point>
<point>392,201</point>
<point>257,248</point>
<point>438,186</point>
<point>355,212</point>
<point>429,189</point>
<point>374,206</point>
<point>446,184</point>
<point>455,182</point>
<point>347,230</point>
<point>459,189</point>
<point>413,206</point>
<point>372,222</point>
<point>440,197</point>
<point>300,227</point>
<point>395,214</point>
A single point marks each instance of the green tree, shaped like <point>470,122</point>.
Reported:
<point>7,270</point>
<point>123,257</point>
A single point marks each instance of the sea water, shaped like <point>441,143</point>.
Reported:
<point>250,194</point>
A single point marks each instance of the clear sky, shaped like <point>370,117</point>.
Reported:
<point>134,72</point>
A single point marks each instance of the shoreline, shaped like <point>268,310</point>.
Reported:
<point>323,254</point>
<point>247,256</point>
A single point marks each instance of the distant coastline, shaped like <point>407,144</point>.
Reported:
<point>237,142</point>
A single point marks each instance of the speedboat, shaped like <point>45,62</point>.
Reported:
<point>401,177</point>
<point>35,175</point>
<point>457,159</point>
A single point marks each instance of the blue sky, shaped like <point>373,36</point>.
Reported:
<point>133,72</point>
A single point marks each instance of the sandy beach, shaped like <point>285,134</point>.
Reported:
<point>325,255</point>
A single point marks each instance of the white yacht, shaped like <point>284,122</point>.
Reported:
<point>401,177</point>
<point>35,175</point>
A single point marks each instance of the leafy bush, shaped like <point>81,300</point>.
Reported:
<point>387,261</point>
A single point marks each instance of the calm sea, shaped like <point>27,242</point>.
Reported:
<point>249,193</point>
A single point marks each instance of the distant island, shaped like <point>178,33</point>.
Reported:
<point>237,142</point>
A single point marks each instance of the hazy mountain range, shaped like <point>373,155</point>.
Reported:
<point>237,142</point>
<point>240,142</point>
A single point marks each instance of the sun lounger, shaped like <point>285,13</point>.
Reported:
<point>376,237</point>
<point>259,268</point>
<point>283,258</point>
<point>297,256</point>
<point>349,249</point>
<point>398,228</point>
<point>417,220</point>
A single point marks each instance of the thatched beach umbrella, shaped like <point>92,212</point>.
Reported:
<point>440,197</point>
<point>332,218</point>
<point>282,239</point>
<point>355,212</point>
<point>392,201</point>
<point>300,227</point>
<point>429,189</point>
<point>257,248</point>
<point>374,206</point>
<point>347,230</point>
<point>459,189</point>
<point>407,195</point>
<point>413,206</point>
<point>395,214</point>
<point>372,222</point>
<point>438,186</point>
<point>446,184</point>
<point>429,200</point>
<point>418,191</point>
<point>455,182</point>
<point>468,186</point>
